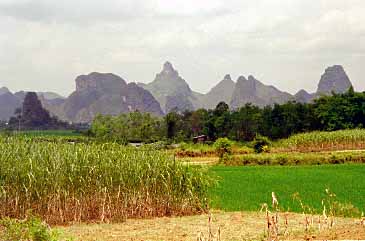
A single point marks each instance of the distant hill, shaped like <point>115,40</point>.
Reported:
<point>106,93</point>
<point>253,91</point>
<point>8,103</point>
<point>303,96</point>
<point>4,90</point>
<point>223,91</point>
<point>50,95</point>
<point>99,93</point>
<point>333,80</point>
<point>172,91</point>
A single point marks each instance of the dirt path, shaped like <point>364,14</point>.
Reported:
<point>233,226</point>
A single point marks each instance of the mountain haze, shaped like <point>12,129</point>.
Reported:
<point>253,91</point>
<point>223,91</point>
<point>303,96</point>
<point>99,93</point>
<point>107,93</point>
<point>8,104</point>
<point>172,91</point>
<point>334,80</point>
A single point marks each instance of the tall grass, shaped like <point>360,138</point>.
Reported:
<point>324,141</point>
<point>64,182</point>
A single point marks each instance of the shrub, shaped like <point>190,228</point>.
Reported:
<point>31,228</point>
<point>223,146</point>
<point>261,144</point>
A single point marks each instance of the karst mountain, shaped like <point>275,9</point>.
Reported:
<point>107,93</point>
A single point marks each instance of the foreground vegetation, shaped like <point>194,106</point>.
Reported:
<point>31,228</point>
<point>64,182</point>
<point>247,188</point>
<point>65,178</point>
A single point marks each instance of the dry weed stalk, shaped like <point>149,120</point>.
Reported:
<point>306,222</point>
<point>362,221</point>
<point>275,218</point>
<point>272,219</point>
<point>211,236</point>
<point>307,213</point>
<point>275,202</point>
<point>325,217</point>
<point>286,224</point>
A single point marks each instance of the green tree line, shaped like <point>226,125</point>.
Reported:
<point>329,113</point>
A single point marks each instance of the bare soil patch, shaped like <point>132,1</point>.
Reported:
<point>233,226</point>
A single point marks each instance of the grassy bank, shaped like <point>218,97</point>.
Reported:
<point>64,182</point>
<point>323,141</point>
<point>246,188</point>
<point>205,150</point>
<point>296,158</point>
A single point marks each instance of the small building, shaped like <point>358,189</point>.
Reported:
<point>200,139</point>
<point>136,144</point>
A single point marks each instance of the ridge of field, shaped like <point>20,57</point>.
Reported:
<point>247,188</point>
<point>293,158</point>
<point>49,133</point>
<point>185,150</point>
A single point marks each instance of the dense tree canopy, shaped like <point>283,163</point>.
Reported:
<point>132,127</point>
<point>339,111</point>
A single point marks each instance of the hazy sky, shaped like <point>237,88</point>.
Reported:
<point>45,44</point>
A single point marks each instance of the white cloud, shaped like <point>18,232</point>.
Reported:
<point>44,44</point>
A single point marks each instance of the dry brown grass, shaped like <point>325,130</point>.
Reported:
<point>233,226</point>
<point>199,160</point>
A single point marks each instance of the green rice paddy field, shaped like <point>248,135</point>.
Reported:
<point>247,188</point>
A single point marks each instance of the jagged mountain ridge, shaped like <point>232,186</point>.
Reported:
<point>4,90</point>
<point>9,101</point>
<point>251,90</point>
<point>98,93</point>
<point>172,91</point>
<point>303,96</point>
<point>8,104</point>
<point>334,79</point>
<point>223,91</point>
